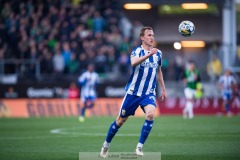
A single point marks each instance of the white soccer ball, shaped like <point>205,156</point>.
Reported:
<point>186,28</point>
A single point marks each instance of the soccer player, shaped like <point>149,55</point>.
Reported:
<point>146,64</point>
<point>191,78</point>
<point>226,83</point>
<point>88,80</point>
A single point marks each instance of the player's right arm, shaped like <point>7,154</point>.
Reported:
<point>234,82</point>
<point>162,85</point>
<point>184,78</point>
<point>136,60</point>
<point>220,83</point>
<point>82,79</point>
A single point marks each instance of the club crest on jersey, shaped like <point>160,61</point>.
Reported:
<point>123,112</point>
<point>133,54</point>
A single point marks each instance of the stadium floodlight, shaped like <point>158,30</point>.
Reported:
<point>140,6</point>
<point>194,6</point>
<point>177,45</point>
<point>193,44</point>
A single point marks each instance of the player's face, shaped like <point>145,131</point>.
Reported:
<point>90,68</point>
<point>148,38</point>
<point>191,66</point>
<point>227,72</point>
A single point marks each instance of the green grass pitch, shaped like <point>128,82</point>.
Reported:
<point>202,138</point>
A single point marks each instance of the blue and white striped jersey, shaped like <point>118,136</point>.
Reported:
<point>227,82</point>
<point>88,81</point>
<point>143,78</point>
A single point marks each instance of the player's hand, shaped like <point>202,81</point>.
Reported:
<point>153,51</point>
<point>163,95</point>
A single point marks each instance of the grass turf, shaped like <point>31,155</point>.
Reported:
<point>204,137</point>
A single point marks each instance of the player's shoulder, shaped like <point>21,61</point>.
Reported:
<point>197,71</point>
<point>85,72</point>
<point>137,49</point>
<point>232,77</point>
<point>95,74</point>
<point>159,52</point>
<point>221,77</point>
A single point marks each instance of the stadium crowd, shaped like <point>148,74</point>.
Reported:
<point>64,36</point>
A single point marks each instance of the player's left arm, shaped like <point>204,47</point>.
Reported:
<point>161,82</point>
<point>220,83</point>
<point>234,82</point>
<point>197,76</point>
<point>97,81</point>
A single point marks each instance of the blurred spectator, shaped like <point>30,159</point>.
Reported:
<point>214,68</point>
<point>2,52</point>
<point>39,31</point>
<point>33,58</point>
<point>137,26</point>
<point>123,63</point>
<point>58,62</point>
<point>11,93</point>
<point>237,59</point>
<point>66,53</point>
<point>115,37</point>
<point>125,45</point>
<point>179,67</point>
<point>101,61</point>
<point>73,64</point>
<point>83,62</point>
<point>126,27</point>
<point>98,23</point>
<point>73,91</point>
<point>171,70</point>
<point>111,58</point>
<point>46,62</point>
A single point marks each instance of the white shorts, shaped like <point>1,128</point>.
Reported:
<point>189,93</point>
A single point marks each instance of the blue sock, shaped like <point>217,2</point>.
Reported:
<point>227,107</point>
<point>83,111</point>
<point>90,106</point>
<point>147,126</point>
<point>112,131</point>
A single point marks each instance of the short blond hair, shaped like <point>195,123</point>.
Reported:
<point>142,32</point>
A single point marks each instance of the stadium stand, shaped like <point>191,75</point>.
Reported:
<point>62,37</point>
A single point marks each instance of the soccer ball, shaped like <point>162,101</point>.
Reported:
<point>186,28</point>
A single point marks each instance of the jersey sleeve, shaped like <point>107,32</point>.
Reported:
<point>198,75</point>
<point>97,79</point>
<point>220,80</point>
<point>233,80</point>
<point>82,79</point>
<point>136,52</point>
<point>185,73</point>
<point>159,54</point>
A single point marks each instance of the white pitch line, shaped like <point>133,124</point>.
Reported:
<point>60,131</point>
<point>76,134</point>
<point>189,134</point>
<point>33,137</point>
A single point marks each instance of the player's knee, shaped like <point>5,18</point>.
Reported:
<point>150,116</point>
<point>120,121</point>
